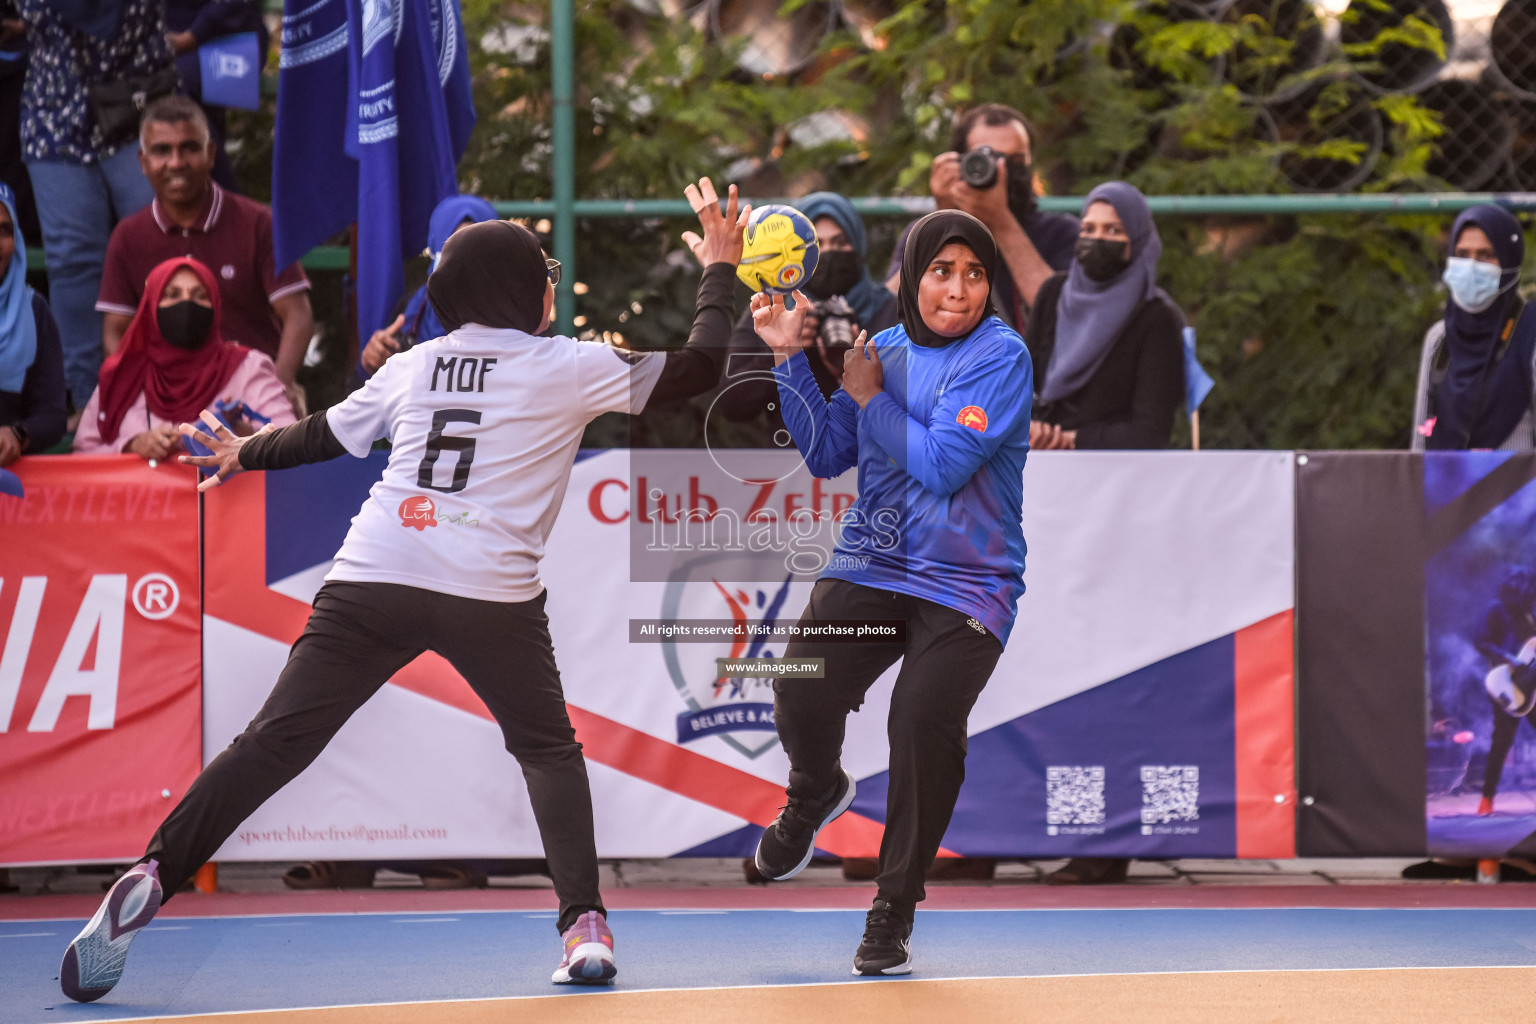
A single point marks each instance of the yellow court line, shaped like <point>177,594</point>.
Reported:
<point>1399,996</point>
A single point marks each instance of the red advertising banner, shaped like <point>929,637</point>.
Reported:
<point>100,668</point>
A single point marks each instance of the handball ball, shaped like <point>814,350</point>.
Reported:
<point>779,250</point>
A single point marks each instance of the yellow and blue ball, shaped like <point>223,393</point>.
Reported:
<point>779,252</point>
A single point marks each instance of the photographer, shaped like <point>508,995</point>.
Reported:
<point>989,174</point>
<point>847,301</point>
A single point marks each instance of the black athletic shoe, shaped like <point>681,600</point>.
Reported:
<point>887,945</point>
<point>786,846</point>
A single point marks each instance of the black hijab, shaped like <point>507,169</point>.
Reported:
<point>928,236</point>
<point>490,274</point>
<point>1482,397</point>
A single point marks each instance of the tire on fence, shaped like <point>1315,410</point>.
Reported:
<point>1512,46</point>
<point>1126,39</point>
<point>1476,143</point>
<point>1401,68</point>
<point>776,46</point>
<point>1353,119</point>
<point>1293,20</point>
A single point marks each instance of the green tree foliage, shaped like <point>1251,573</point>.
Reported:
<point>1310,325</point>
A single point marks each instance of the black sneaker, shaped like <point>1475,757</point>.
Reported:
<point>887,945</point>
<point>786,846</point>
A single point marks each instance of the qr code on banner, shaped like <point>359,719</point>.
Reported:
<point>1169,792</point>
<point>1074,794</point>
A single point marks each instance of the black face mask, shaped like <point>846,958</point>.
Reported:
<point>1021,188</point>
<point>185,324</point>
<point>1102,258</point>
<point>837,271</point>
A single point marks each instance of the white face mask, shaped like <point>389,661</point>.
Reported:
<point>1473,284</point>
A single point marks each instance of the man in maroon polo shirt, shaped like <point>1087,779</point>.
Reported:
<point>192,216</point>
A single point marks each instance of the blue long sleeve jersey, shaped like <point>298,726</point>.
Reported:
<point>941,455</point>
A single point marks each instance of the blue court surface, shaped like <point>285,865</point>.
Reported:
<point>188,966</point>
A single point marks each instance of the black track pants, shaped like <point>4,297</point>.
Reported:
<point>359,635</point>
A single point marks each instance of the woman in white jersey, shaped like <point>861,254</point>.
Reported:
<point>484,425</point>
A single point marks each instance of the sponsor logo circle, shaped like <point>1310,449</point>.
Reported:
<point>227,271</point>
<point>156,596</point>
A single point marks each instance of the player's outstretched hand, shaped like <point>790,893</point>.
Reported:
<point>722,240</point>
<point>778,325</point>
<point>225,446</point>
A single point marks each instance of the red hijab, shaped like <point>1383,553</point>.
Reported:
<point>178,384</point>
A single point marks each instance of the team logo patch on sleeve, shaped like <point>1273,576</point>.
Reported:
<point>973,416</point>
<point>418,512</point>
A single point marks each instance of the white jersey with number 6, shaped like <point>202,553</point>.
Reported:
<point>484,426</point>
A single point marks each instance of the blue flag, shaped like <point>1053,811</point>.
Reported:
<point>374,110</point>
<point>1197,383</point>
<point>231,71</point>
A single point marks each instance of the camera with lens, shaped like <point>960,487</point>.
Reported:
<point>836,316</point>
<point>978,168</point>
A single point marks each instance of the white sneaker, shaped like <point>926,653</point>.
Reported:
<point>94,961</point>
<point>588,953</point>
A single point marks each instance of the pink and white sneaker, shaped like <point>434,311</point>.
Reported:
<point>94,960</point>
<point>588,953</point>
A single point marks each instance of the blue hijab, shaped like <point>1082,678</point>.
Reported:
<point>18,331</point>
<point>420,319</point>
<point>1091,314</point>
<point>864,296</point>
<point>1483,395</point>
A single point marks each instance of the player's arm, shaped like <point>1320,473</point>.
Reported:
<point>985,405</point>
<point>695,368</point>
<point>825,432</point>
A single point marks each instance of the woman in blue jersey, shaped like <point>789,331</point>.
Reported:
<point>935,414</point>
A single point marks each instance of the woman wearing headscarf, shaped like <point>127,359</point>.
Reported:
<point>1106,339</point>
<point>935,414</point>
<point>845,300</point>
<point>417,322</point>
<point>1476,369</point>
<point>32,410</point>
<point>484,424</point>
<point>171,365</point>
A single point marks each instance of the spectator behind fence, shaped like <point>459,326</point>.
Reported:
<point>417,321</point>
<point>172,364</point>
<point>13,78</point>
<point>1106,340</point>
<point>192,216</point>
<point>1475,372</point>
<point>188,25</point>
<point>1033,244</point>
<point>847,301</point>
<point>31,362</point>
<point>86,62</point>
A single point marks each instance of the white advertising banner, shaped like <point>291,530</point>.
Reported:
<point>1133,558</point>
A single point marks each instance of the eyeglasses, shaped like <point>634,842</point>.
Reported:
<point>552,268</point>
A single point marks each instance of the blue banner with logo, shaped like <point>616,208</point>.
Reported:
<point>231,71</point>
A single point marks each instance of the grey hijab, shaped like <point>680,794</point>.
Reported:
<point>1091,314</point>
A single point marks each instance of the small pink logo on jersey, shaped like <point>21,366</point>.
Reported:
<point>418,512</point>
<point>227,271</point>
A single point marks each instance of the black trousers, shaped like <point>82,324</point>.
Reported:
<point>945,663</point>
<point>359,635</point>
<point>1505,725</point>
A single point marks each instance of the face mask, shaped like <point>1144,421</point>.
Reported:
<point>1102,258</point>
<point>1021,188</point>
<point>185,324</point>
<point>836,273</point>
<point>1473,284</point>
